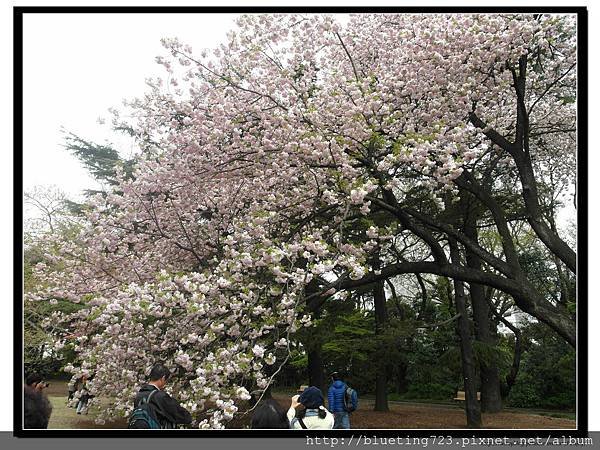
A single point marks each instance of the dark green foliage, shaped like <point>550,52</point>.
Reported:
<point>38,355</point>
<point>101,160</point>
<point>524,394</point>
<point>537,265</point>
<point>489,354</point>
<point>429,391</point>
<point>74,208</point>
<point>547,377</point>
<point>424,359</point>
<point>350,344</point>
<point>421,365</point>
<point>434,361</point>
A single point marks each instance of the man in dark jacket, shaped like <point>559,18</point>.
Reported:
<point>167,411</point>
<point>335,398</point>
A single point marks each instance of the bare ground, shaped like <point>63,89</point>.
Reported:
<point>400,416</point>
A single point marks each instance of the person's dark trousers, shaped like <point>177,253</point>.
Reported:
<point>342,420</point>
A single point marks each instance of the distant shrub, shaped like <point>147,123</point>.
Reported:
<point>563,400</point>
<point>429,391</point>
<point>524,395</point>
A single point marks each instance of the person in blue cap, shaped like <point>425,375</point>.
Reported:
<point>308,412</point>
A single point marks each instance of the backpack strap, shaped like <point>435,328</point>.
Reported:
<point>302,424</point>
<point>151,410</point>
<point>139,411</point>
<point>148,397</point>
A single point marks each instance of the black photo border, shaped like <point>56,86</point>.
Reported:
<point>582,231</point>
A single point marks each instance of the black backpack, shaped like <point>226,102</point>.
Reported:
<point>142,416</point>
<point>350,399</point>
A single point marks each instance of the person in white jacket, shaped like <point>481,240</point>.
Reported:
<point>307,411</point>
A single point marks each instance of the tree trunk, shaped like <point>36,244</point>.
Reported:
<point>381,401</point>
<point>491,396</point>
<point>511,377</point>
<point>313,348</point>
<point>315,368</point>
<point>472,408</point>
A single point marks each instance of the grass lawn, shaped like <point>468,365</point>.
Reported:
<point>62,417</point>
<point>65,417</point>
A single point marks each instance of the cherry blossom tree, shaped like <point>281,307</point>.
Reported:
<point>263,164</point>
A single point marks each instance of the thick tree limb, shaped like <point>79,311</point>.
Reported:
<point>530,196</point>
<point>473,246</point>
<point>391,204</point>
<point>525,295</point>
<point>492,134</point>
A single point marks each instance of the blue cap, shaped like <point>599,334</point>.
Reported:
<point>311,398</point>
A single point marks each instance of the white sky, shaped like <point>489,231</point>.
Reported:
<point>76,67</point>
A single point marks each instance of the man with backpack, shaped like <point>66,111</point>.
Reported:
<point>342,400</point>
<point>153,407</point>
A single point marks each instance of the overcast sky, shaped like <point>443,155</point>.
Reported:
<point>76,66</point>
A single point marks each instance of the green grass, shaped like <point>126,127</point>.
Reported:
<point>62,416</point>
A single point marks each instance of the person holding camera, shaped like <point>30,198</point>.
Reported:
<point>35,381</point>
<point>307,411</point>
<point>36,406</point>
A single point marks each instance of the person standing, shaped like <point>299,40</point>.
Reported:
<point>166,410</point>
<point>337,402</point>
<point>84,396</point>
<point>73,386</point>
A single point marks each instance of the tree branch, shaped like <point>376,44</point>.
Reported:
<point>349,57</point>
